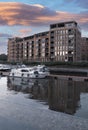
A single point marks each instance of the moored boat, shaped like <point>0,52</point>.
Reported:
<point>42,70</point>
<point>30,72</point>
<point>5,67</point>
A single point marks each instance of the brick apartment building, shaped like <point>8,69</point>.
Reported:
<point>84,49</point>
<point>61,43</point>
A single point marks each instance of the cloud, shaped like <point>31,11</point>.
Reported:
<point>24,32</point>
<point>79,3</point>
<point>12,13</point>
<point>32,15</point>
<point>82,19</point>
<point>82,3</point>
<point>70,1</point>
<point>3,35</point>
<point>3,48</point>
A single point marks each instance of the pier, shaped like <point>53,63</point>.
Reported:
<point>69,77</point>
<point>69,74</point>
<point>69,71</point>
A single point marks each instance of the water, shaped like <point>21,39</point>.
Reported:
<point>70,97</point>
<point>18,95</point>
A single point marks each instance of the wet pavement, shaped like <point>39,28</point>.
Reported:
<point>18,112</point>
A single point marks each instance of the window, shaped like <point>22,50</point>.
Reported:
<point>24,71</point>
<point>43,40</point>
<point>55,53</point>
<point>60,53</point>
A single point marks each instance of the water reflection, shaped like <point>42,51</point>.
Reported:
<point>67,96</point>
<point>64,96</point>
<point>38,88</point>
<point>61,95</point>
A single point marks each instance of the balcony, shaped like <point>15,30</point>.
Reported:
<point>52,45</point>
<point>52,50</point>
<point>70,31</point>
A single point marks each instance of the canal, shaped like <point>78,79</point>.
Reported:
<point>19,98</point>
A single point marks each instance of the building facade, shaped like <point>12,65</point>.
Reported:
<point>15,49</point>
<point>60,43</point>
<point>65,41</point>
<point>84,49</point>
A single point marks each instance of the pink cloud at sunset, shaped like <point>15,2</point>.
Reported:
<point>24,32</point>
<point>12,13</point>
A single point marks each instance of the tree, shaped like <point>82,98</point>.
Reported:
<point>3,57</point>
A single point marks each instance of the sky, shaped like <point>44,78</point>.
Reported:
<point>21,18</point>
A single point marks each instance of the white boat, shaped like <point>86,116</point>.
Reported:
<point>5,67</point>
<point>31,72</point>
<point>42,70</point>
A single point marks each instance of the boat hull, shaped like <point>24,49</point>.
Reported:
<point>28,76</point>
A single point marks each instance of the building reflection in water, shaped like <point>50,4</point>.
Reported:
<point>64,95</point>
<point>37,88</point>
<point>61,95</point>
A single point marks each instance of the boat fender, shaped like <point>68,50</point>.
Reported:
<point>12,74</point>
<point>1,73</point>
<point>36,74</point>
<point>22,74</point>
<point>27,75</point>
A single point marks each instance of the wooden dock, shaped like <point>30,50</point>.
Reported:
<point>69,71</point>
<point>69,77</point>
